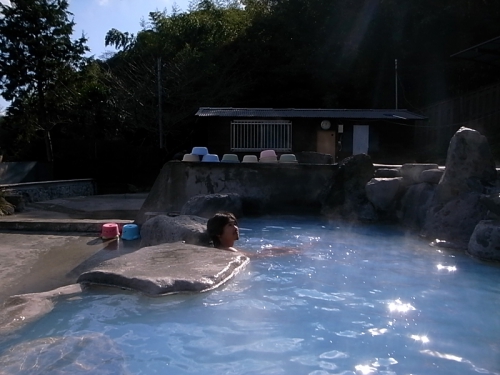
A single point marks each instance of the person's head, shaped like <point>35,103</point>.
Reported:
<point>223,229</point>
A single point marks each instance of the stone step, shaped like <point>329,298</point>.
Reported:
<point>51,225</point>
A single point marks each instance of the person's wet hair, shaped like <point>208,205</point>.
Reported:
<point>216,224</point>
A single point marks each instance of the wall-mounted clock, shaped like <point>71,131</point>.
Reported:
<point>325,125</point>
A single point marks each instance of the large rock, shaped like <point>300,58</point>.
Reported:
<point>347,197</point>
<point>485,240</point>
<point>165,229</point>
<point>431,176</point>
<point>17,200</point>
<point>469,165</point>
<point>355,172</point>
<point>208,205</point>
<point>411,172</point>
<point>491,202</point>
<point>167,269</point>
<point>455,221</point>
<point>382,192</point>
<point>414,205</point>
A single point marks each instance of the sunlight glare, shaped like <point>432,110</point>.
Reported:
<point>365,369</point>
<point>447,268</point>
<point>450,357</point>
<point>422,338</point>
<point>398,306</point>
<point>377,331</point>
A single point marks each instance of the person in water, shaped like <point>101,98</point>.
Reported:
<point>224,232</point>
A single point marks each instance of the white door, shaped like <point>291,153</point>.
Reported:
<point>360,139</point>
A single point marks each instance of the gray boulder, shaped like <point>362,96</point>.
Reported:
<point>208,205</point>
<point>168,268</point>
<point>485,240</point>
<point>17,200</point>
<point>469,165</point>
<point>165,229</point>
<point>382,192</point>
<point>411,172</point>
<point>455,221</point>
<point>491,202</point>
<point>414,205</point>
<point>387,172</point>
<point>347,197</point>
<point>431,176</point>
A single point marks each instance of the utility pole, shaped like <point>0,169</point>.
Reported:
<point>396,80</point>
<point>160,125</point>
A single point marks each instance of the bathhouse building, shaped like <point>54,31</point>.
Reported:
<point>384,134</point>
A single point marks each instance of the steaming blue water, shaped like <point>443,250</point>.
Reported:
<point>364,300</point>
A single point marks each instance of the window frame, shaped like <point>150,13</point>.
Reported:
<point>256,135</point>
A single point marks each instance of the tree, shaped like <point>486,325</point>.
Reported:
<point>38,57</point>
<point>195,64</point>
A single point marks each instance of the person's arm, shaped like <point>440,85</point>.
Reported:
<point>271,252</point>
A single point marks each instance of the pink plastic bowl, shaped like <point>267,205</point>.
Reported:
<point>110,230</point>
<point>267,154</point>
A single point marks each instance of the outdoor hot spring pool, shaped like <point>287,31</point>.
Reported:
<point>356,300</point>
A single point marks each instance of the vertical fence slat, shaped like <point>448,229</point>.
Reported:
<point>255,135</point>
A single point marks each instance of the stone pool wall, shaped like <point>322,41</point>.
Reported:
<point>263,188</point>
<point>48,190</point>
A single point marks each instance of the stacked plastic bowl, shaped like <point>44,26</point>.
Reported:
<point>230,158</point>
<point>200,151</point>
<point>288,158</point>
<point>268,156</point>
<point>250,159</point>
<point>191,158</point>
<point>210,158</point>
<point>195,154</point>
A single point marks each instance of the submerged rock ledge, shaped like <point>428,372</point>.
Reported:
<point>155,270</point>
<point>19,310</point>
<point>167,268</point>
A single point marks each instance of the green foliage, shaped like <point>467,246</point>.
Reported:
<point>251,53</point>
<point>6,208</point>
<point>293,53</point>
<point>38,59</point>
<point>119,40</point>
<point>190,50</point>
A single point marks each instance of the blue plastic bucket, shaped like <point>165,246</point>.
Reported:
<point>130,232</point>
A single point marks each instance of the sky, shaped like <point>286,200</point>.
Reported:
<point>96,17</point>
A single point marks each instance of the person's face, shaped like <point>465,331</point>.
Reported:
<point>230,233</point>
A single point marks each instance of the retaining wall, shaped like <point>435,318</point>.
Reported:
<point>264,188</point>
<point>48,190</point>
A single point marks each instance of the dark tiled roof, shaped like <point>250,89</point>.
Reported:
<point>373,114</point>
